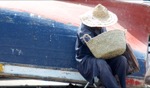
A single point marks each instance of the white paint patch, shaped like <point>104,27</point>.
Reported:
<point>15,14</point>
<point>17,51</point>
<point>12,50</point>
<point>50,38</point>
<point>29,82</point>
<point>39,16</point>
<point>41,72</point>
<point>31,14</point>
<point>53,25</point>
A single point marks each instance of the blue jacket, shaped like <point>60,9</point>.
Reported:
<point>85,59</point>
<point>81,49</point>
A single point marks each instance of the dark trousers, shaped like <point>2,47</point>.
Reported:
<point>112,68</point>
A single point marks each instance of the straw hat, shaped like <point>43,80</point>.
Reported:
<point>99,17</point>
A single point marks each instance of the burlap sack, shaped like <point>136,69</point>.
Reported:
<point>108,44</point>
<point>133,65</point>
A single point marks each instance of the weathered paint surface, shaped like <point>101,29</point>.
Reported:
<point>31,40</point>
<point>19,83</point>
<point>42,73</point>
<point>54,74</point>
<point>37,41</point>
<point>134,83</point>
<point>68,12</point>
<point>30,36</point>
<point>1,68</point>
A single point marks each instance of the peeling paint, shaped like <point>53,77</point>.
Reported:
<point>18,51</point>
<point>31,14</point>
<point>12,50</point>
<point>1,68</point>
<point>135,82</point>
<point>39,16</point>
<point>50,38</point>
<point>53,25</point>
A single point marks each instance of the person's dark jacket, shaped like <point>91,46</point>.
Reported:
<point>85,59</point>
<point>81,49</point>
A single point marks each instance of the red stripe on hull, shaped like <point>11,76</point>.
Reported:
<point>131,83</point>
<point>133,17</point>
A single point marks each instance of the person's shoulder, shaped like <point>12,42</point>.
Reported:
<point>83,27</point>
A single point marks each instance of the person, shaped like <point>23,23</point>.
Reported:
<point>94,22</point>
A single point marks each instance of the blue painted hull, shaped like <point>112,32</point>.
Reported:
<point>36,41</point>
<point>33,40</point>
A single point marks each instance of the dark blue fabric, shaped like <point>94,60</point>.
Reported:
<point>90,67</point>
<point>119,67</point>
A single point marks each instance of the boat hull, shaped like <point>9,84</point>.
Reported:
<point>38,46</point>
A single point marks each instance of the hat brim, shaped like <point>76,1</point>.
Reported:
<point>89,20</point>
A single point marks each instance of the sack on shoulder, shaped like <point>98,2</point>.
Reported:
<point>131,60</point>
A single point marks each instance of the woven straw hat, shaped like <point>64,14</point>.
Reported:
<point>99,17</point>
